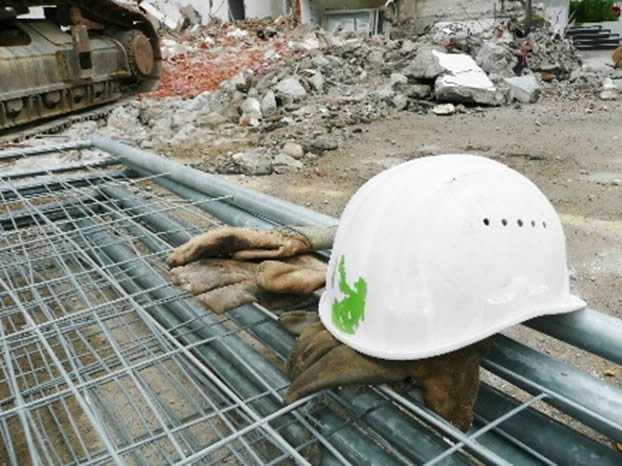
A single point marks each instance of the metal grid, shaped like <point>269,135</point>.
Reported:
<point>103,361</point>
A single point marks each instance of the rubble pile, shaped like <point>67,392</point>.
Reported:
<point>260,97</point>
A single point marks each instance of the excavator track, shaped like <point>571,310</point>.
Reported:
<point>82,54</point>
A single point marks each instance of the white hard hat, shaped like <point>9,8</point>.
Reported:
<point>441,252</point>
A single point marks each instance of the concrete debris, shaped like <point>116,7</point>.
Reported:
<point>211,120</point>
<point>251,112</point>
<point>496,59</point>
<point>240,90</point>
<point>400,101</point>
<point>425,66</point>
<point>268,103</point>
<point>444,109</point>
<point>524,89</point>
<point>283,163</point>
<point>291,87</point>
<point>294,150</point>
<point>320,144</point>
<point>398,79</point>
<point>316,80</point>
<point>609,90</point>
<point>463,81</point>
<point>253,162</point>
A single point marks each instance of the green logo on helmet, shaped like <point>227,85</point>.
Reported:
<point>350,311</point>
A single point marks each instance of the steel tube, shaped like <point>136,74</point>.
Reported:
<point>246,199</point>
<point>36,188</point>
<point>555,441</point>
<point>588,329</point>
<point>43,150</point>
<point>536,372</point>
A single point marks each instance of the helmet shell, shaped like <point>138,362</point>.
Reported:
<point>441,252</point>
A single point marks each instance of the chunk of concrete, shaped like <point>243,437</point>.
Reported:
<point>268,103</point>
<point>291,87</point>
<point>293,150</point>
<point>496,59</point>
<point>253,162</point>
<point>525,89</point>
<point>444,110</point>
<point>426,65</point>
<point>464,81</point>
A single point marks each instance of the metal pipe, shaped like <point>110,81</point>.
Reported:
<point>36,188</point>
<point>588,329</point>
<point>571,389</point>
<point>60,169</point>
<point>43,150</point>
<point>261,205</point>
<point>555,441</point>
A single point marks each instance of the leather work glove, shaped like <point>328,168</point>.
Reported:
<point>224,269</point>
<point>449,383</point>
<point>251,244</point>
<point>225,284</point>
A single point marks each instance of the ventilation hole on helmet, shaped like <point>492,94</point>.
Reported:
<point>486,222</point>
<point>544,224</point>
<point>504,222</point>
<point>533,223</point>
<point>520,223</point>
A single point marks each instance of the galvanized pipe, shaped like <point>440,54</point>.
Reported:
<point>260,205</point>
<point>36,188</point>
<point>43,150</point>
<point>587,329</point>
<point>555,441</point>
<point>536,372</point>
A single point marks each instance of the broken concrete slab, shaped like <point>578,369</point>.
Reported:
<point>320,144</point>
<point>268,103</point>
<point>291,87</point>
<point>464,81</point>
<point>496,59</point>
<point>293,150</point>
<point>398,79</point>
<point>400,101</point>
<point>253,162</point>
<point>444,110</point>
<point>316,80</point>
<point>609,90</point>
<point>426,65</point>
<point>283,163</point>
<point>524,89</point>
<point>211,120</point>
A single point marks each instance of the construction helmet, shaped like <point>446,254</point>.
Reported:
<point>441,252</point>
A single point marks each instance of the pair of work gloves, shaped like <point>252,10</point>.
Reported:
<point>228,267</point>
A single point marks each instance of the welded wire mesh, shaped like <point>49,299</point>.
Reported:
<point>104,361</point>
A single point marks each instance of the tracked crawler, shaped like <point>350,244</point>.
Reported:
<point>82,54</point>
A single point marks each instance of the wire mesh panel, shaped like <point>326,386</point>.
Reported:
<point>105,362</point>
